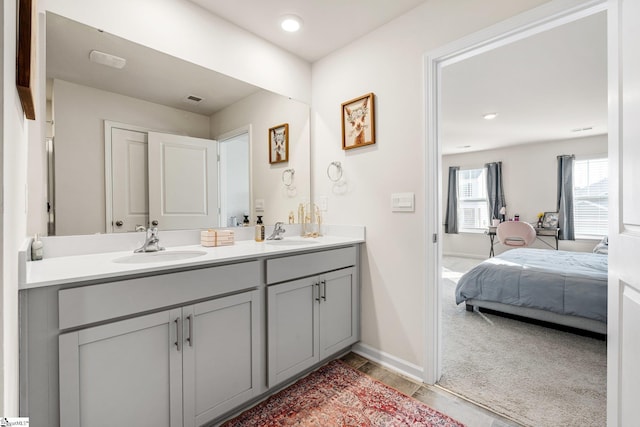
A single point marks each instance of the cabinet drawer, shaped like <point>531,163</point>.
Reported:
<point>293,267</point>
<point>97,303</point>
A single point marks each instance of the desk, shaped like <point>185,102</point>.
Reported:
<point>540,232</point>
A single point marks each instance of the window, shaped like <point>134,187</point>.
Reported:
<point>591,197</point>
<point>473,208</point>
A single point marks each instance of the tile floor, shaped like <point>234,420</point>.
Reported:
<point>436,397</point>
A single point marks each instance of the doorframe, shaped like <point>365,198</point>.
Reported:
<point>248,129</point>
<point>542,18</point>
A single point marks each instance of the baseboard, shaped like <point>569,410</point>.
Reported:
<point>387,360</point>
<point>463,255</point>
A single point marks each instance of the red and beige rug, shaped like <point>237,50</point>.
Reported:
<point>338,395</point>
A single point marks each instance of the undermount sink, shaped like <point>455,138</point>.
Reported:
<point>163,256</point>
<point>291,242</point>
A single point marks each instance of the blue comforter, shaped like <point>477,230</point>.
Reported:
<point>563,282</point>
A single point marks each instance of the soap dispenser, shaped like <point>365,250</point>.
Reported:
<point>259,229</point>
<point>36,249</point>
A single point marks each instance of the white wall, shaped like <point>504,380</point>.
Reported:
<point>529,176</point>
<point>184,30</point>
<point>262,111</point>
<point>13,155</point>
<point>79,113</point>
<point>389,62</point>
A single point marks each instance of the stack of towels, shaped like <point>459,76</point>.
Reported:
<point>211,238</point>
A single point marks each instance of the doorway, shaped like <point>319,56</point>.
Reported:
<point>535,22</point>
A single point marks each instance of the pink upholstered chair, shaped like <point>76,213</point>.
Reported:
<point>516,233</point>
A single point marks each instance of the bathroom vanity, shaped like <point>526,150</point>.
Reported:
<point>182,342</point>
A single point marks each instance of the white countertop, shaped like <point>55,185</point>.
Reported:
<point>95,266</point>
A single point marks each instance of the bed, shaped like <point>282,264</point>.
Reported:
<point>561,287</point>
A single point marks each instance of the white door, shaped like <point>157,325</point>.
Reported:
<point>183,182</point>
<point>129,201</point>
<point>623,362</point>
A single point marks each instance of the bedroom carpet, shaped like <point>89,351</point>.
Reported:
<point>537,376</point>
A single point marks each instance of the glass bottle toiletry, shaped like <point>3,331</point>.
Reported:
<point>259,229</point>
<point>245,221</point>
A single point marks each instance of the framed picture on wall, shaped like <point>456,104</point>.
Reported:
<point>279,143</point>
<point>550,220</point>
<point>358,127</point>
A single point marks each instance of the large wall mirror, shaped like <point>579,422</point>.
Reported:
<point>139,137</point>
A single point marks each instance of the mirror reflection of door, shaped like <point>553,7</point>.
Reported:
<point>183,182</point>
<point>163,180</point>
<point>234,178</point>
<point>130,204</point>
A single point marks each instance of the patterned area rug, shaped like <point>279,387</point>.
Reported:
<point>338,395</point>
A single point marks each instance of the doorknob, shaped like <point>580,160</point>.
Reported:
<point>119,223</point>
<point>154,222</point>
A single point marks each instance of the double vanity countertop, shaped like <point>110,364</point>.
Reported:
<point>90,268</point>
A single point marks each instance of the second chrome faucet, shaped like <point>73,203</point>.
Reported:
<point>278,231</point>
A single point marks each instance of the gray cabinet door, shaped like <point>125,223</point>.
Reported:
<point>293,336</point>
<point>339,313</point>
<point>129,370</point>
<point>221,356</point>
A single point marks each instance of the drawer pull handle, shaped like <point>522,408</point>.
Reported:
<point>324,290</point>
<point>178,334</point>
<point>190,337</point>
<point>318,291</point>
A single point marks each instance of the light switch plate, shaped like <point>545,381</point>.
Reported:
<point>403,202</point>
<point>259,205</point>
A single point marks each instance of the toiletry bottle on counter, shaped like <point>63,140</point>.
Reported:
<point>36,249</point>
<point>259,229</point>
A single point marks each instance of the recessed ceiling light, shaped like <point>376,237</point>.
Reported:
<point>107,59</point>
<point>290,23</point>
<point>490,116</point>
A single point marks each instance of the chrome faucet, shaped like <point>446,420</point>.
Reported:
<point>278,231</point>
<point>151,243</point>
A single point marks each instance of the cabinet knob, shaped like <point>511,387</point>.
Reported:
<point>119,223</point>
<point>154,222</point>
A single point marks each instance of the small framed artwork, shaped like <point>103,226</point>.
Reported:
<point>358,127</point>
<point>550,220</point>
<point>279,143</point>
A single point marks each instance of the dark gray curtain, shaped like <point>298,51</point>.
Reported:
<point>451,217</point>
<point>565,197</point>
<point>495,191</point>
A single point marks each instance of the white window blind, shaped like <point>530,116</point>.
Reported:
<point>591,197</point>
<point>473,208</point>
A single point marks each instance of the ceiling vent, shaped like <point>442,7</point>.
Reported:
<point>192,99</point>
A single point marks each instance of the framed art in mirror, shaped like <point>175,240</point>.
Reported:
<point>358,122</point>
<point>279,143</point>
